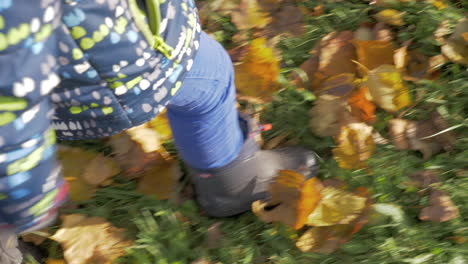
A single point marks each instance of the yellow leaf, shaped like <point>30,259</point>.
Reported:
<point>160,124</point>
<point>293,198</point>
<point>84,170</point>
<point>160,180</point>
<point>336,207</point>
<point>355,146</point>
<point>387,88</point>
<point>249,15</point>
<point>257,74</point>
<point>391,17</point>
<point>90,240</point>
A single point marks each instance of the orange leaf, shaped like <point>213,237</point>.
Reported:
<point>361,107</point>
<point>310,196</point>
<point>293,198</point>
<point>373,53</point>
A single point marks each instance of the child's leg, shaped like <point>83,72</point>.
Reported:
<point>227,168</point>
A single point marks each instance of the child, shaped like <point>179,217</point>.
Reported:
<point>92,68</point>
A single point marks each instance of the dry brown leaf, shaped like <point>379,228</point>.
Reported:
<point>412,64</point>
<point>336,54</point>
<point>249,15</point>
<point>136,148</point>
<point>84,171</point>
<point>382,32</point>
<point>391,17</point>
<point>455,47</point>
<point>283,23</point>
<point>424,178</point>
<point>338,86</point>
<point>440,209</point>
<point>374,53</point>
<point>35,238</point>
<point>456,51</point>
<point>214,236</point>
<point>310,68</point>
<point>327,115</point>
<point>442,31</point>
<point>293,198</point>
<point>361,107</point>
<point>55,261</point>
<point>355,146</point>
<point>259,69</point>
<point>88,240</point>
<point>160,180</point>
<point>387,89</point>
<point>422,135</point>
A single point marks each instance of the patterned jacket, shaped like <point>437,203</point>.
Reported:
<point>84,69</point>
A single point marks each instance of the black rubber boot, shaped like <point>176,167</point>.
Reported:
<point>231,189</point>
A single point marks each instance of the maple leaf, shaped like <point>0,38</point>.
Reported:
<point>423,136</point>
<point>249,15</point>
<point>374,53</point>
<point>293,198</point>
<point>355,146</point>
<point>361,106</point>
<point>391,17</point>
<point>84,171</point>
<point>387,88</point>
<point>90,240</point>
<point>257,74</point>
<point>160,179</point>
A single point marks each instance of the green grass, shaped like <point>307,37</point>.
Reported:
<point>165,232</point>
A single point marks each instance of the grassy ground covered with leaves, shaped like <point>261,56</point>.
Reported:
<point>175,231</point>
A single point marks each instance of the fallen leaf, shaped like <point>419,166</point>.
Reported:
<point>259,69</point>
<point>442,31</point>
<point>439,4</point>
<point>214,236</point>
<point>424,178</point>
<point>293,198</point>
<point>327,115</point>
<point>456,51</point>
<point>374,53</point>
<point>283,23</point>
<point>440,209</point>
<point>425,136</point>
<point>249,15</point>
<point>55,261</point>
<point>355,146</point>
<point>160,180</point>
<point>160,124</point>
<point>90,240</point>
<point>454,47</point>
<point>382,32</point>
<point>309,68</point>
<point>136,148</point>
<point>84,171</point>
<point>336,54</point>
<point>338,86</point>
<point>35,238</point>
<point>336,207</point>
<point>391,17</point>
<point>364,33</point>
<point>361,107</point>
<point>387,88</point>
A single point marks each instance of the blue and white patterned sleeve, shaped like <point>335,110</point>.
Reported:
<point>31,187</point>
